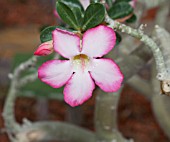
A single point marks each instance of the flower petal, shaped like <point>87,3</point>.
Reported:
<point>55,72</point>
<point>78,89</point>
<point>106,74</point>
<point>56,14</point>
<point>66,43</point>
<point>44,49</point>
<point>98,41</point>
<point>85,3</point>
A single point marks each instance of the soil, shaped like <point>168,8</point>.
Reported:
<point>135,116</point>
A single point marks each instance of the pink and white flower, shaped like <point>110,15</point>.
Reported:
<point>84,65</point>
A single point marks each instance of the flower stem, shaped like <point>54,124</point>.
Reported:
<point>160,64</point>
<point>8,112</point>
<point>106,117</point>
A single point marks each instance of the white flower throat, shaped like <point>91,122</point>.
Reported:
<point>80,62</point>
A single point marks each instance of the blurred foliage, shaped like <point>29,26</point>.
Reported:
<point>37,88</point>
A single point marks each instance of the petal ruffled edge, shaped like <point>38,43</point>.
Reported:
<point>55,73</point>
<point>66,43</point>
<point>106,74</point>
<point>78,89</point>
<point>98,41</point>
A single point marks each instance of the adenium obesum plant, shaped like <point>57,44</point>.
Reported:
<point>83,43</point>
<point>84,66</point>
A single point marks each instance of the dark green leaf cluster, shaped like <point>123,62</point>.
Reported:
<point>79,19</point>
<point>73,14</point>
<point>120,10</point>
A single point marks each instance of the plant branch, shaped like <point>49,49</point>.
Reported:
<point>8,112</point>
<point>160,64</point>
<point>137,60</point>
<point>27,79</point>
<point>40,131</point>
<point>160,105</point>
<point>130,65</point>
<point>162,38</point>
<point>48,131</point>
<point>105,124</point>
<point>136,82</point>
<point>106,117</point>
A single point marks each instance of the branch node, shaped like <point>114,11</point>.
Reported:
<point>10,76</point>
<point>26,122</point>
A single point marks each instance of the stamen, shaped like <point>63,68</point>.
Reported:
<point>80,57</point>
<point>81,61</point>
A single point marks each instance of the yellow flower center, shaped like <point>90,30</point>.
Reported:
<point>80,62</point>
<point>81,57</point>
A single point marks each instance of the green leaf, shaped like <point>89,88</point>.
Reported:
<point>74,3</point>
<point>94,15</point>
<point>118,38</point>
<point>43,27</point>
<point>67,15</point>
<point>46,34</point>
<point>76,8</point>
<point>120,10</point>
<point>132,19</point>
<point>109,2</point>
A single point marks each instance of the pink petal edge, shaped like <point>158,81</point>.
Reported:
<point>98,41</point>
<point>106,75</point>
<point>78,89</point>
<point>66,43</point>
<point>55,73</point>
<point>44,49</point>
<point>56,14</point>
